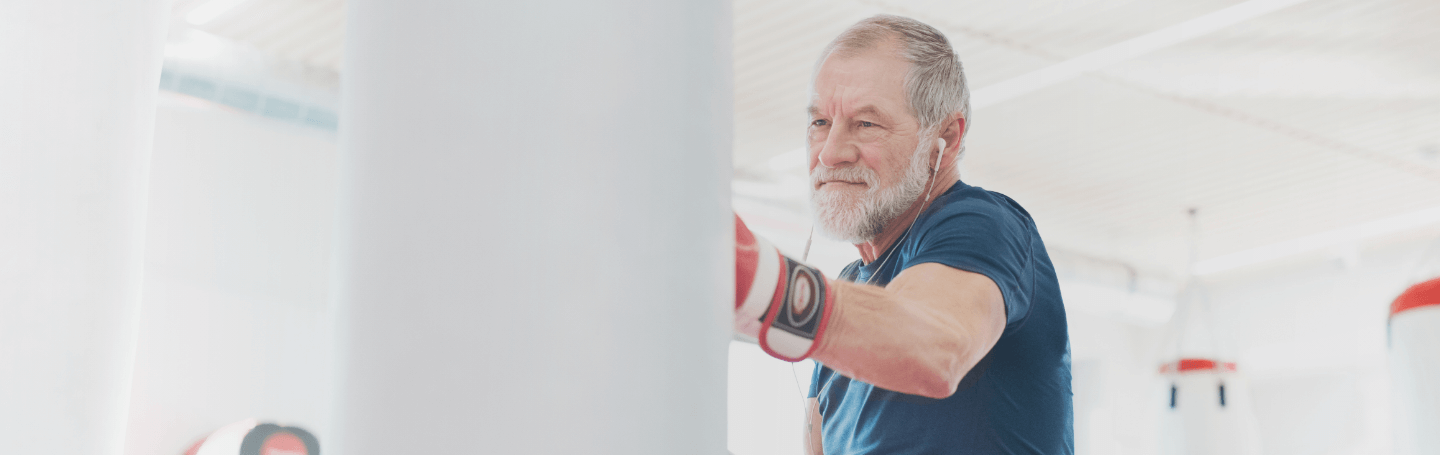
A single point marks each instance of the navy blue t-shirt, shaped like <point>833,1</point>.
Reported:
<point>1017,398</point>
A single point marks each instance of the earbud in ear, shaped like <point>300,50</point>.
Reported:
<point>938,156</point>
<point>940,141</point>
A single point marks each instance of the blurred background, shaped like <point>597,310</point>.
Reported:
<point>1305,133</point>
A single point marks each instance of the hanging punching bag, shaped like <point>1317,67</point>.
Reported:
<point>1208,409</point>
<point>1415,368</point>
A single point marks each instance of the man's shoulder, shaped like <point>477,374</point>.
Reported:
<point>968,204</point>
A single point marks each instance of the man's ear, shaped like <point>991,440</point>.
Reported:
<point>952,132</point>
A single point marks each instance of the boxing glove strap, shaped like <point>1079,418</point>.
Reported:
<point>792,328</point>
<point>769,270</point>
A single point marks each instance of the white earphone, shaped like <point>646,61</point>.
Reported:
<point>933,170</point>
<point>939,156</point>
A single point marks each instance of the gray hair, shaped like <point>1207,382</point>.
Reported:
<point>935,85</point>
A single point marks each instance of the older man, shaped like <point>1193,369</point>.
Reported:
<point>948,336</point>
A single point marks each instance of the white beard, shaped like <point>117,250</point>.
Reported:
<point>850,216</point>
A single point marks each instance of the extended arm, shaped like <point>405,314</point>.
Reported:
<point>919,335</point>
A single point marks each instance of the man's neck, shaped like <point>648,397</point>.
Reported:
<point>870,251</point>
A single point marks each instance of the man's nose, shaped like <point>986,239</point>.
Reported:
<point>836,150</point>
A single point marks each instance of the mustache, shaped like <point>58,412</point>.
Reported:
<point>848,174</point>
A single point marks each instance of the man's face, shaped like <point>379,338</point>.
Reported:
<point>866,160</point>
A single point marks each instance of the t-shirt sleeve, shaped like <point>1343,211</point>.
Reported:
<point>817,378</point>
<point>980,236</point>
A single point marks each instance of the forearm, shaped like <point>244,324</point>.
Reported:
<point>920,334</point>
<point>879,336</point>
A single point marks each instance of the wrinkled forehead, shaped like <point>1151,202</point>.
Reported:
<point>871,80</point>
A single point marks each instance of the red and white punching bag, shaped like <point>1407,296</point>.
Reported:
<point>1208,410</point>
<point>1415,368</point>
<point>250,437</point>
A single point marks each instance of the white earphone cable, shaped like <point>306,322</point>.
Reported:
<point>804,406</point>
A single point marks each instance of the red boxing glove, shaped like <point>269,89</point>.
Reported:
<point>250,437</point>
<point>780,303</point>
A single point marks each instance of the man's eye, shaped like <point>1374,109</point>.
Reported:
<point>865,124</point>
<point>819,122</point>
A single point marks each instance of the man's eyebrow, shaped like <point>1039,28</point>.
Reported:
<point>872,110</point>
<point>868,109</point>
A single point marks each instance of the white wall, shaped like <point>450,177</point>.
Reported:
<point>234,321</point>
<point>766,402</point>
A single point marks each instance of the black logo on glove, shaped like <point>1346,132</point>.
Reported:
<point>804,301</point>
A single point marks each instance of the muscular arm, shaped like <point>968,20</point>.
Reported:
<point>919,335</point>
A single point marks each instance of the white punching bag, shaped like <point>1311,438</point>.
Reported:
<point>1206,404</point>
<point>1208,409</point>
<point>1415,369</point>
<point>535,243</point>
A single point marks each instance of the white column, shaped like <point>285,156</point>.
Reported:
<point>77,101</point>
<point>535,238</point>
<point>1415,368</point>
